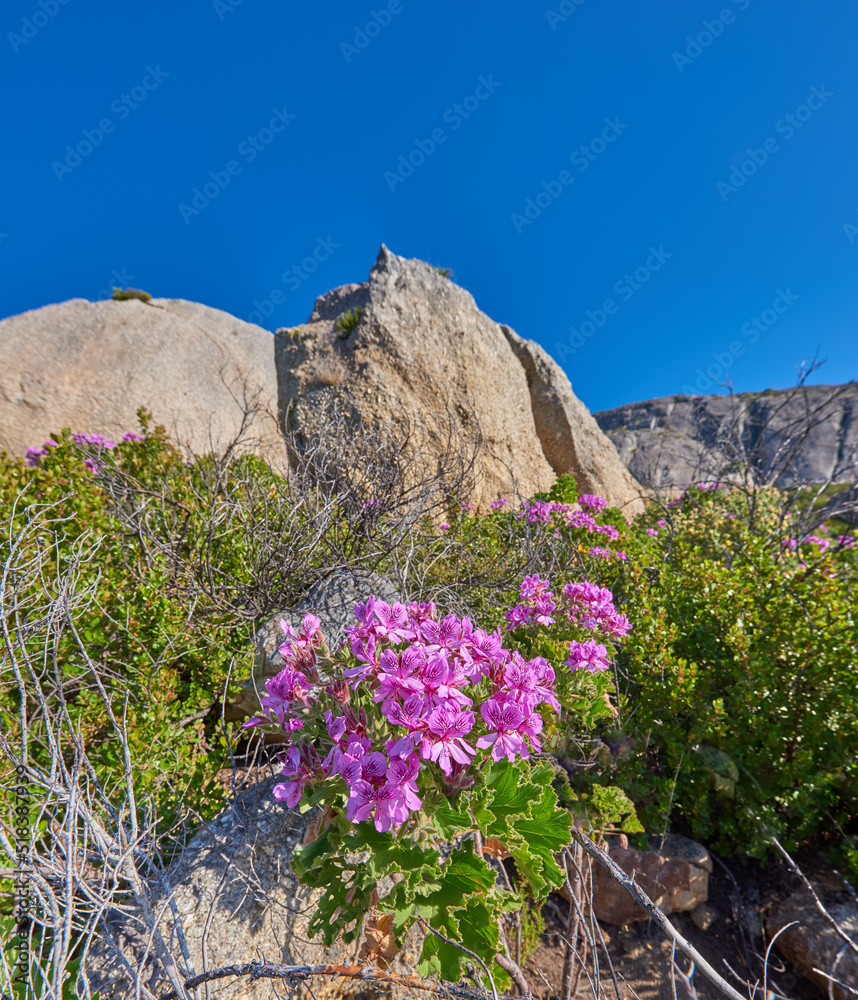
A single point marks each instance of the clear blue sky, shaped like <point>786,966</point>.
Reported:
<point>664,116</point>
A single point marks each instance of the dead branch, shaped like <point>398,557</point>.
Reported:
<point>641,898</point>
<point>294,974</point>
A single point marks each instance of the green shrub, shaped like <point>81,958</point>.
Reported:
<point>742,690</point>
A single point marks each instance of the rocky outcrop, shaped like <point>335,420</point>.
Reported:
<point>423,355</point>
<point>332,600</point>
<point>795,436</point>
<point>674,873</point>
<point>231,898</point>
<point>232,893</point>
<point>408,349</point>
<point>570,437</point>
<point>90,365</point>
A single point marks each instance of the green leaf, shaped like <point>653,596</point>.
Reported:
<point>476,926</point>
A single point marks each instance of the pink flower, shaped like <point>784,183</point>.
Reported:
<point>392,622</point>
<point>443,742</point>
<point>446,636</point>
<point>500,502</point>
<point>131,436</point>
<point>401,777</point>
<point>504,719</point>
<point>846,541</point>
<point>365,797</point>
<point>286,687</point>
<point>599,552</point>
<point>653,532</point>
<point>661,523</point>
<point>588,500</point>
<point>365,651</point>
<point>397,678</point>
<point>298,771</point>
<point>589,655</point>
<point>617,626</point>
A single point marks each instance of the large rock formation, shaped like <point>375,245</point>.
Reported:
<point>422,358</point>
<point>230,898</point>
<point>808,435</point>
<point>423,354</point>
<point>90,365</point>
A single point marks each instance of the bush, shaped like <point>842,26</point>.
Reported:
<point>741,702</point>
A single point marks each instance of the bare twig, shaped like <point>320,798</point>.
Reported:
<point>835,926</point>
<point>294,974</point>
<point>640,897</point>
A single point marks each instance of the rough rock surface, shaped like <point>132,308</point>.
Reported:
<point>423,351</point>
<point>90,365</point>
<point>674,440</point>
<point>813,943</point>
<point>235,891</point>
<point>332,600</point>
<point>674,874</point>
<point>570,437</point>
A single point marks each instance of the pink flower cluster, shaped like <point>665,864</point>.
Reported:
<point>590,502</point>
<point>593,607</point>
<point>33,453</point>
<point>536,605</point>
<point>822,543</point>
<point>562,515</point>
<point>419,669</point>
<point>589,655</point>
<point>97,440</point>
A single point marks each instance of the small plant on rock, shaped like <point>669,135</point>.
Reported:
<point>349,321</point>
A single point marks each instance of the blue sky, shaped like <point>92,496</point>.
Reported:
<point>692,162</point>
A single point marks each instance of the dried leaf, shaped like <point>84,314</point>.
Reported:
<point>379,943</point>
<point>317,828</point>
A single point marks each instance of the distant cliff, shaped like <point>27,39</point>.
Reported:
<point>806,435</point>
